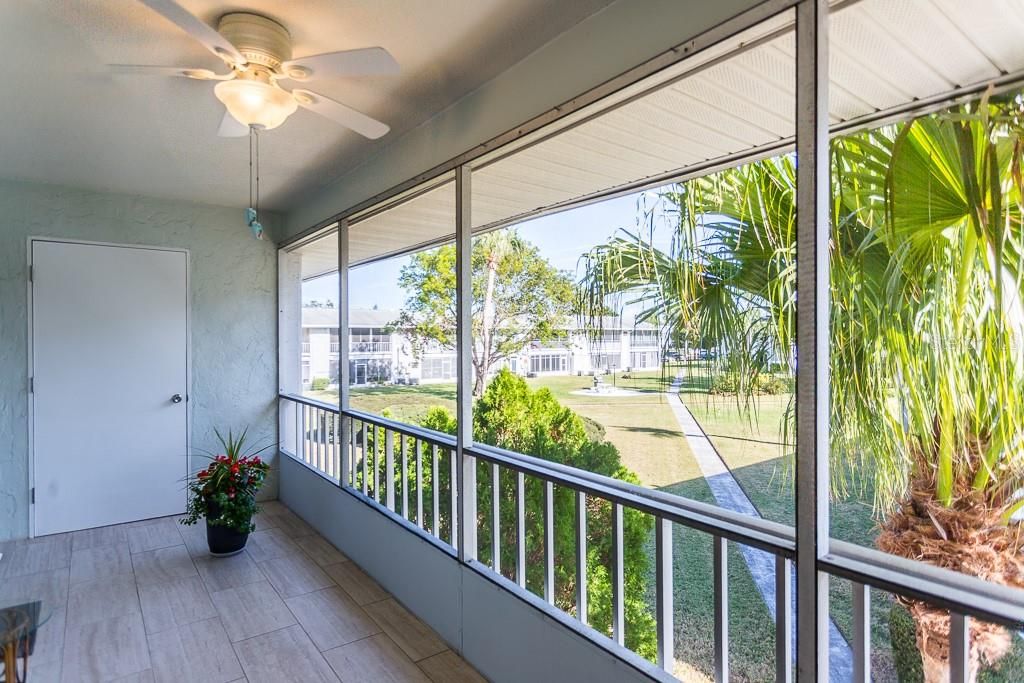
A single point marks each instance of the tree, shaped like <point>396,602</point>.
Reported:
<point>518,297</point>
<point>512,416</point>
<point>927,326</point>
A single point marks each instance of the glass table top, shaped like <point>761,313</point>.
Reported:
<point>21,618</point>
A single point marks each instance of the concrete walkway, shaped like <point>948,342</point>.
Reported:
<point>728,494</point>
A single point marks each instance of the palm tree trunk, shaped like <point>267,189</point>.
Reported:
<point>969,536</point>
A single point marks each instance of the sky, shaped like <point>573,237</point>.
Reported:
<point>562,239</point>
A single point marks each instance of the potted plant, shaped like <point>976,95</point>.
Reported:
<point>225,494</point>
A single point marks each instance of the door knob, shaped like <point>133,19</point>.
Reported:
<point>176,398</point>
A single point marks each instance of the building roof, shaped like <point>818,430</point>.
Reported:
<point>358,317</point>
<point>373,317</point>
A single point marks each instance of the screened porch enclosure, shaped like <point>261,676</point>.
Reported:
<point>775,106</point>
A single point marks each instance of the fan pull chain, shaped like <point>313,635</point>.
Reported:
<point>252,213</point>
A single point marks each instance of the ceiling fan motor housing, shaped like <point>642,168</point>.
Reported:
<point>261,41</point>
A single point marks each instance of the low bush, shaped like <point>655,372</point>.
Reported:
<point>903,635</point>
<point>762,383</point>
<point>319,383</point>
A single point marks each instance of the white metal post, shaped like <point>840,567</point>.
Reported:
<point>812,326</point>
<point>343,352</point>
<point>289,326</point>
<point>464,336</point>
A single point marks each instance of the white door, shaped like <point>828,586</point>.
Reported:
<point>109,365</point>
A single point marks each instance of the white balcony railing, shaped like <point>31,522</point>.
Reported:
<point>388,464</point>
<point>369,347</point>
<point>305,347</point>
<point>335,347</point>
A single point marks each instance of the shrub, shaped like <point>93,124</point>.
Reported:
<point>512,416</point>
<point>903,635</point>
<point>762,383</point>
<point>319,383</point>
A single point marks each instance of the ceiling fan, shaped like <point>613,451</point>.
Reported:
<point>259,52</point>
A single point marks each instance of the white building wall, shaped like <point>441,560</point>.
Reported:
<point>579,352</point>
<point>319,352</point>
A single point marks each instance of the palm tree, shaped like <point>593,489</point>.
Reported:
<point>927,329</point>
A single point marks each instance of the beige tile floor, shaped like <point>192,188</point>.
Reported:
<point>145,603</point>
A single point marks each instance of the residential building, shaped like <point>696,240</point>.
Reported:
<point>380,352</point>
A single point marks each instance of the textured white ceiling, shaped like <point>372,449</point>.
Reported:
<point>66,120</point>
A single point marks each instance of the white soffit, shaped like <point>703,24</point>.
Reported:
<point>319,256</point>
<point>735,100</point>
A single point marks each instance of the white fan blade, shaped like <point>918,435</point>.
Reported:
<point>369,61</point>
<point>339,113</point>
<point>230,127</point>
<point>184,72</point>
<point>198,29</point>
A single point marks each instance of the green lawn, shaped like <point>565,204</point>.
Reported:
<point>403,403</point>
<point>642,427</point>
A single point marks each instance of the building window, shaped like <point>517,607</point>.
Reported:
<point>604,361</point>
<point>549,362</point>
<point>638,360</point>
<point>439,368</point>
<point>644,338</point>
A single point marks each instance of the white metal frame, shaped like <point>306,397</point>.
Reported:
<point>30,395</point>
<point>818,558</point>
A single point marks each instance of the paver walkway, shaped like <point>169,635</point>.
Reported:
<point>730,495</point>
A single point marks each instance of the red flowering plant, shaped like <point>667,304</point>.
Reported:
<point>225,491</point>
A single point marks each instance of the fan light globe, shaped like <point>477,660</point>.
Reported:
<point>254,103</point>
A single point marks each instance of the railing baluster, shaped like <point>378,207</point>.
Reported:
<point>581,557</point>
<point>618,578</point>
<point>352,452</point>
<point>521,529</point>
<point>549,542</point>
<point>366,457</point>
<point>378,454</point>
<point>305,433</point>
<point>453,485</point>
<point>336,442</point>
<point>346,456</point>
<point>298,430</point>
<point>959,648</point>
<point>861,632</point>
<point>495,519</point>
<point>334,433</point>
<point>419,483</point>
<point>320,442</point>
<point>664,589</point>
<point>435,492</point>
<point>349,426</point>
<point>314,436</point>
<point>783,624</point>
<point>389,468</point>
<point>721,568</point>
<point>405,476</point>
